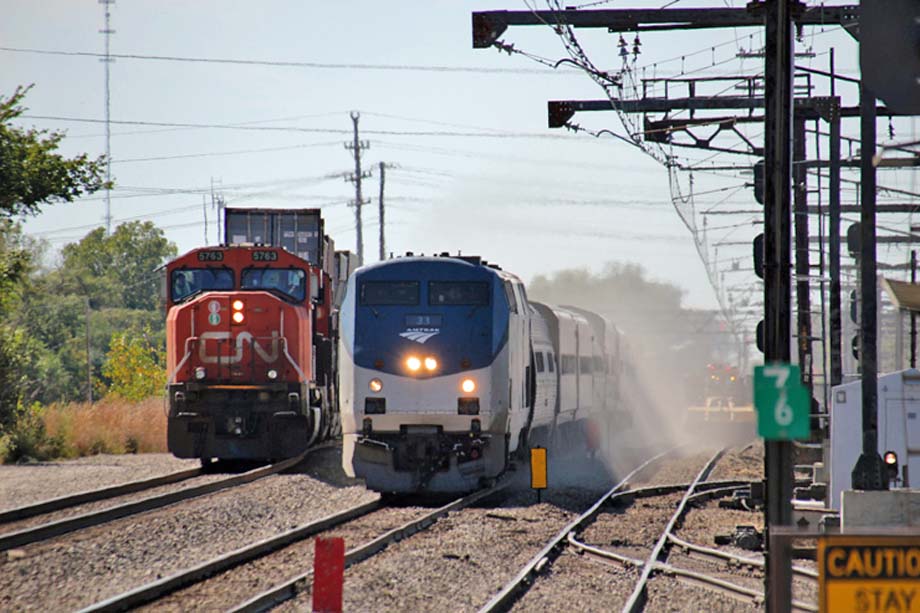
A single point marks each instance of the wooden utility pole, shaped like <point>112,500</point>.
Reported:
<point>356,146</point>
<point>382,238</point>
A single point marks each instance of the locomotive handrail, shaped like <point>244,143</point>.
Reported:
<point>188,353</point>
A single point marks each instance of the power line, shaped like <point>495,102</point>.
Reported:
<point>225,126</point>
<point>288,64</point>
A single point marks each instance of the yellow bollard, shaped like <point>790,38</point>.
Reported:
<point>538,470</point>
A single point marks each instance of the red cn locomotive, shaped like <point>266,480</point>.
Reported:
<point>249,352</point>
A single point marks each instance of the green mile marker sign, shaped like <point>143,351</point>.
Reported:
<point>781,402</point>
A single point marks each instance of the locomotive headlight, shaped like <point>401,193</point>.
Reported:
<point>468,386</point>
<point>272,374</point>
<point>413,363</point>
<point>431,363</point>
<point>891,458</point>
<point>238,305</point>
<point>376,385</point>
<point>200,373</point>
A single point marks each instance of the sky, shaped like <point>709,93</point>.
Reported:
<point>471,165</point>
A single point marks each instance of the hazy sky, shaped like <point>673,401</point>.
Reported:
<point>474,167</point>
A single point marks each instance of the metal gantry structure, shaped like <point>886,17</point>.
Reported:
<point>784,94</point>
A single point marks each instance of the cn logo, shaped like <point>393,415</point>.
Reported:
<point>420,335</point>
<point>243,337</point>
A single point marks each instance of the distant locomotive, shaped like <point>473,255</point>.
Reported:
<point>447,369</point>
<point>250,340</point>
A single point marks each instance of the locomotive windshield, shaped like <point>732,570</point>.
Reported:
<point>389,293</point>
<point>458,293</point>
<point>289,281</point>
<point>188,281</point>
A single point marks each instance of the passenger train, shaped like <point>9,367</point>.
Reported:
<point>447,370</point>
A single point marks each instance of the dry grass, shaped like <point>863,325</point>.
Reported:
<point>109,426</point>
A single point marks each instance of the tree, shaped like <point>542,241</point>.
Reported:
<point>134,366</point>
<point>118,270</point>
<point>32,173</point>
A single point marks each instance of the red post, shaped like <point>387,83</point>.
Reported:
<point>328,575</point>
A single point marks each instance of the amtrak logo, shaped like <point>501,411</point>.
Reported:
<point>420,335</point>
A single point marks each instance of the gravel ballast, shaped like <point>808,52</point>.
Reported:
<point>24,484</point>
<point>97,563</point>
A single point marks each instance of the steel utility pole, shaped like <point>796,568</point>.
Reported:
<point>107,60</point>
<point>382,237</point>
<point>355,147</point>
<point>869,472</point>
<point>913,314</point>
<point>778,70</point>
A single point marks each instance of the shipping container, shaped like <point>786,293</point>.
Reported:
<point>300,231</point>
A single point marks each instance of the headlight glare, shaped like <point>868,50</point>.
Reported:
<point>431,363</point>
<point>238,317</point>
<point>376,385</point>
<point>413,363</point>
<point>468,386</point>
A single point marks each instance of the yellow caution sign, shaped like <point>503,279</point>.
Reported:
<point>538,468</point>
<point>869,574</point>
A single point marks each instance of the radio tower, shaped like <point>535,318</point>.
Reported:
<point>107,60</point>
<point>355,147</point>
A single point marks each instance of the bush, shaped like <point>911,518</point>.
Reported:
<point>28,439</point>
<point>81,429</point>
<point>134,367</point>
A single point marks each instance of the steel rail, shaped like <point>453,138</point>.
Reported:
<point>87,520</point>
<point>291,588</point>
<point>158,589</point>
<point>522,581</point>
<point>708,552</point>
<point>694,577</point>
<point>72,500</point>
<point>639,595</point>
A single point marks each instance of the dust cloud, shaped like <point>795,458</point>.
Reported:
<point>666,350</point>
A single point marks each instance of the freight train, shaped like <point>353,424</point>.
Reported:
<point>250,338</point>
<point>448,370</point>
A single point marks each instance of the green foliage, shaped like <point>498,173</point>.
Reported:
<point>134,366</point>
<point>31,172</point>
<point>25,364</point>
<point>27,440</point>
<point>118,270</point>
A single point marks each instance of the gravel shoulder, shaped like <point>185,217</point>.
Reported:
<point>97,563</point>
<point>24,484</point>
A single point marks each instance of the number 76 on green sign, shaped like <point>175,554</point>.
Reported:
<point>781,401</point>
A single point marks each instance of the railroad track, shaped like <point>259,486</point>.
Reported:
<point>289,589</point>
<point>66,502</point>
<point>656,562</point>
<point>694,491</point>
<point>60,527</point>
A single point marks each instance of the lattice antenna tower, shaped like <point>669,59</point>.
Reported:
<point>107,60</point>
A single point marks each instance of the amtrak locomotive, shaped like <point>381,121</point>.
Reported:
<point>446,369</point>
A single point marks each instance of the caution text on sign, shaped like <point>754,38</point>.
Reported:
<point>869,574</point>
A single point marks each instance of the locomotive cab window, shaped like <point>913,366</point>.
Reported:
<point>509,296</point>
<point>550,361</point>
<point>458,293</point>
<point>389,293</point>
<point>291,282</point>
<point>186,282</point>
